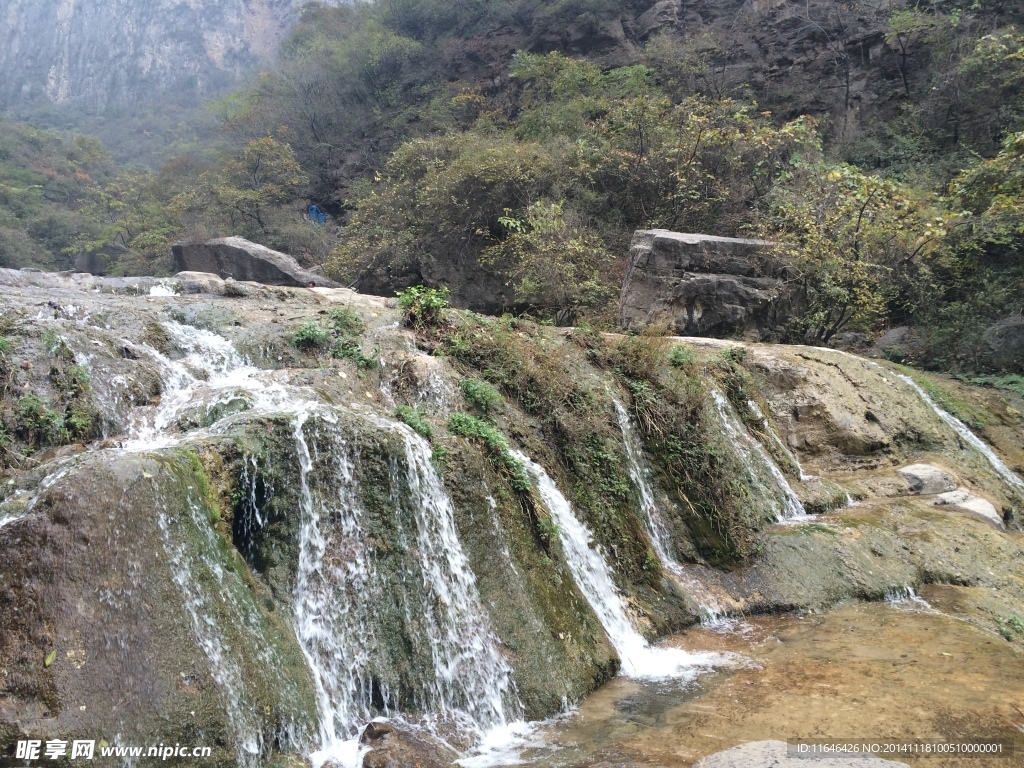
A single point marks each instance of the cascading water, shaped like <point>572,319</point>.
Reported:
<point>792,507</point>
<point>470,681</point>
<point>966,435</point>
<point>594,578</point>
<point>337,584</point>
<point>710,608</point>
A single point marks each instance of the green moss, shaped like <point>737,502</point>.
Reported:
<point>497,448</point>
<point>415,419</point>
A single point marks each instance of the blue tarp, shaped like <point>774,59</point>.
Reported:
<point>315,214</point>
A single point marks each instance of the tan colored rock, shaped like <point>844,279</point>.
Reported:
<point>975,506</point>
<point>926,479</point>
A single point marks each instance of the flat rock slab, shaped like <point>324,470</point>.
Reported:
<point>926,479</point>
<point>774,754</point>
<point>975,506</point>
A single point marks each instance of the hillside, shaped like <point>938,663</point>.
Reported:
<point>469,145</point>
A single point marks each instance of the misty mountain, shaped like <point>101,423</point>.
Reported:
<point>95,55</point>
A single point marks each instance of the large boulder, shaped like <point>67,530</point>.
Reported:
<point>1003,344</point>
<point>705,286</point>
<point>240,259</point>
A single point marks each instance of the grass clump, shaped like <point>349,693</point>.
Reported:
<point>424,307</point>
<point>340,337</point>
<point>481,394</point>
<point>415,419</point>
<point>1010,627</point>
<point>1009,382</point>
<point>498,451</point>
<point>681,357</point>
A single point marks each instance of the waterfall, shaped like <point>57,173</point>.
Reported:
<point>753,452</point>
<point>470,681</point>
<point>337,583</point>
<point>594,578</point>
<point>766,425</point>
<point>211,374</point>
<point>965,433</point>
<point>710,608</point>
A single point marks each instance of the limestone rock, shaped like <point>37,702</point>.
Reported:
<point>239,259</point>
<point>704,285</point>
<point>926,479</point>
<point>395,746</point>
<point>1003,344</point>
<point>200,282</point>
<point>663,14</point>
<point>774,754</point>
<point>975,506</point>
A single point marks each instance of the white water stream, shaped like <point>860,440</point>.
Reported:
<point>966,435</point>
<point>711,610</point>
<point>593,576</point>
<point>753,453</point>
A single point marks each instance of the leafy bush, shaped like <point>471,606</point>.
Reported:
<point>415,419</point>
<point>310,336</point>
<point>481,394</point>
<point>5,346</point>
<point>423,307</point>
<point>497,448</point>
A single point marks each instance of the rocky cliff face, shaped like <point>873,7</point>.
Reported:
<point>98,54</point>
<point>258,518</point>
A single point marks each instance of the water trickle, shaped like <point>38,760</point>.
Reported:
<point>906,596</point>
<point>709,607</point>
<point>594,578</point>
<point>792,508</point>
<point>968,437</point>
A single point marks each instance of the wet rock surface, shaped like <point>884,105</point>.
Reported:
<point>775,754</point>
<point>396,747</point>
<point>221,483</point>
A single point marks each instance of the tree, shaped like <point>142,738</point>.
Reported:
<point>860,245</point>
<point>555,264</point>
<point>246,187</point>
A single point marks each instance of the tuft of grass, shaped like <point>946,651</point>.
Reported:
<point>497,448</point>
<point>681,357</point>
<point>481,394</point>
<point>1010,382</point>
<point>415,419</point>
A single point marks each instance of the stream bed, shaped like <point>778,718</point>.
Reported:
<point>895,670</point>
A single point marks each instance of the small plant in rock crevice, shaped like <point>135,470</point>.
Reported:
<point>424,307</point>
<point>481,394</point>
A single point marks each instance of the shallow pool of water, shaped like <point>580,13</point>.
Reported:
<point>866,671</point>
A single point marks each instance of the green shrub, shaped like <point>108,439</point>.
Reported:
<point>5,346</point>
<point>346,323</point>
<point>681,356</point>
<point>497,448</point>
<point>311,336</point>
<point>423,307</point>
<point>481,394</point>
<point>415,419</point>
